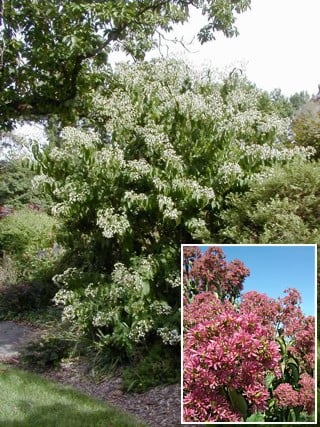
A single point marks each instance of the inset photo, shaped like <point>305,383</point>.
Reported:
<point>249,334</point>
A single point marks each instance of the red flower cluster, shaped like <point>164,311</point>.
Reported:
<point>204,306</point>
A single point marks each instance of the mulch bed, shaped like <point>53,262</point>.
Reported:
<point>159,406</point>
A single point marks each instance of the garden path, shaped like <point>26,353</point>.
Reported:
<point>13,336</point>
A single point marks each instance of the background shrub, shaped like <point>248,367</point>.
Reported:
<point>280,207</point>
<point>29,259</point>
<point>18,298</point>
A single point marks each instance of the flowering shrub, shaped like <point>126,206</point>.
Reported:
<point>119,313</point>
<point>147,170</point>
<point>246,358</point>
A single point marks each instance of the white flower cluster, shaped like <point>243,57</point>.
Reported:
<point>68,275</point>
<point>111,223</point>
<point>161,308</point>
<point>58,155</point>
<point>198,106</point>
<point>118,292</point>
<point>172,159</point>
<point>197,191</point>
<point>63,297</point>
<point>244,122</point>
<point>110,157</point>
<point>299,151</point>
<point>198,229</point>
<point>140,329</point>
<point>103,318</point>
<point>159,184</point>
<point>118,111</point>
<point>174,281</point>
<point>155,139</point>
<point>167,207</point>
<point>166,76</point>
<point>138,169</point>
<point>123,278</point>
<point>60,209</point>
<point>243,98</point>
<point>71,193</point>
<point>261,176</point>
<point>39,180</point>
<point>91,290</point>
<point>169,336</point>
<point>68,313</point>
<point>78,196</point>
<point>274,123</point>
<point>230,170</point>
<point>266,152</point>
<point>135,201</point>
<point>75,139</point>
<point>146,266</point>
<point>170,85</point>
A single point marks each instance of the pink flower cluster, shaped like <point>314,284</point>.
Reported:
<point>230,350</point>
<point>211,272</point>
<point>286,315</point>
<point>237,350</point>
<point>286,396</point>
<point>204,306</point>
<point>306,393</point>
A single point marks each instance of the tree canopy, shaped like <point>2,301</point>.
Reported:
<point>51,52</point>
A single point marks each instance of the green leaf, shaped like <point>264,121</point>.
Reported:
<point>258,416</point>
<point>269,379</point>
<point>145,288</point>
<point>293,361</point>
<point>292,415</point>
<point>238,402</point>
<point>282,344</point>
<point>294,373</point>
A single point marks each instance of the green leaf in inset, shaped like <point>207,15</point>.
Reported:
<point>238,402</point>
<point>258,416</point>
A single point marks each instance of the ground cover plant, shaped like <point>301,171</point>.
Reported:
<point>28,400</point>
<point>246,357</point>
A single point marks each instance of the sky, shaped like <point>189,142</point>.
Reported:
<point>274,268</point>
<point>277,45</point>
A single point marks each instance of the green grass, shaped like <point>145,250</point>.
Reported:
<point>27,400</point>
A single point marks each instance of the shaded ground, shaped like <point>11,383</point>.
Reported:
<point>157,407</point>
<point>13,336</point>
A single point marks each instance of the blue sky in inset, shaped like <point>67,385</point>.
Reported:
<point>275,268</point>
